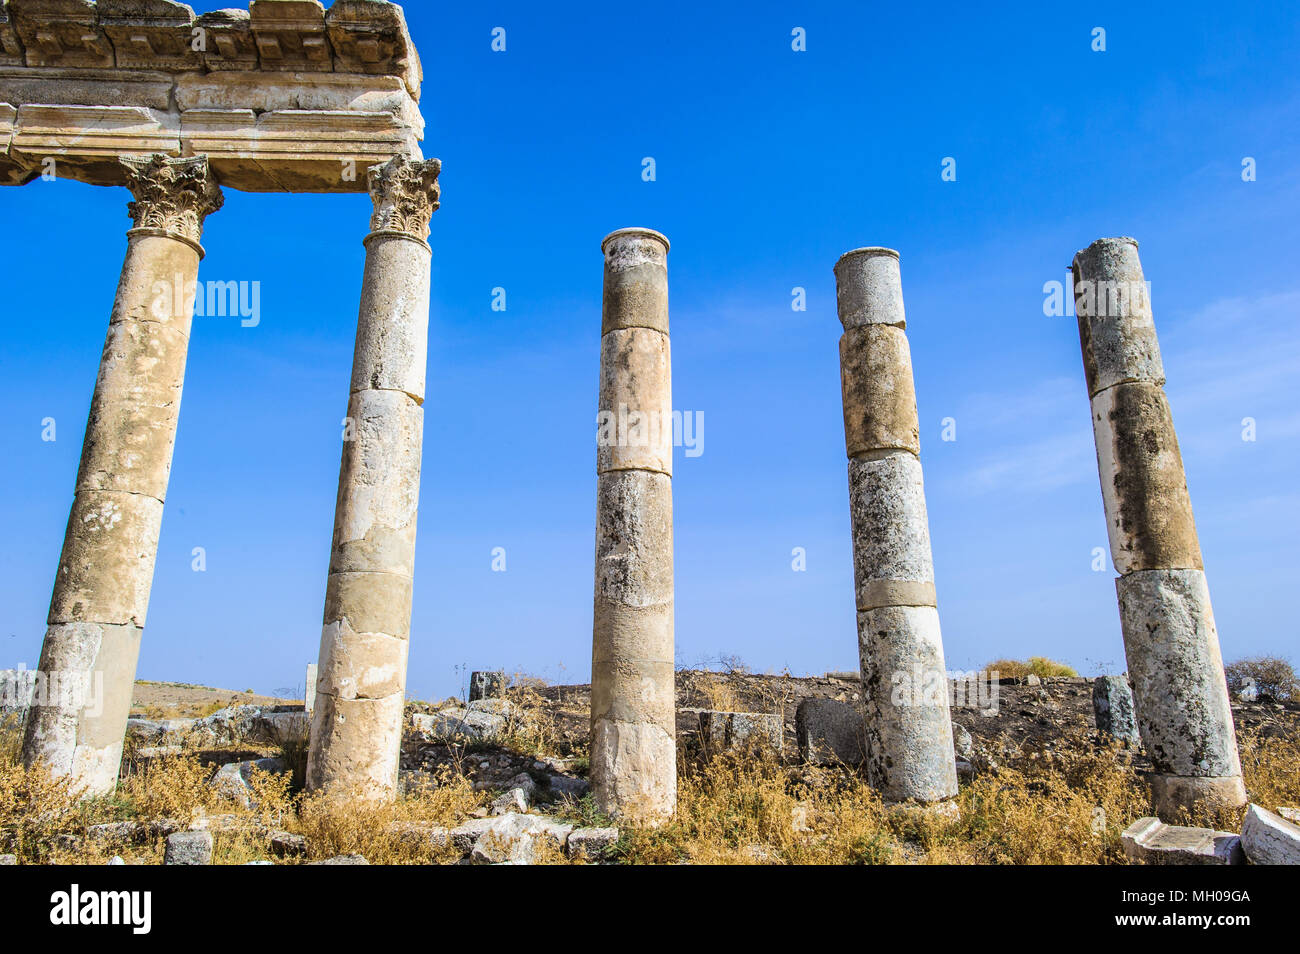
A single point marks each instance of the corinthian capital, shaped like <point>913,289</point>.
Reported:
<point>174,195</point>
<point>405,193</point>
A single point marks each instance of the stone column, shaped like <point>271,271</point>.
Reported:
<point>101,592</point>
<point>1174,664</point>
<point>905,686</point>
<point>633,703</point>
<point>356,728</point>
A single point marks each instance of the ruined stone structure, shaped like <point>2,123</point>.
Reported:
<point>909,743</point>
<point>1170,640</point>
<point>281,97</point>
<point>633,725</point>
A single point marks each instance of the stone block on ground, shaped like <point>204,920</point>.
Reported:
<point>728,730</point>
<point>188,848</point>
<point>1150,841</point>
<point>8,859</point>
<point>486,685</point>
<point>830,731</point>
<point>1112,705</point>
<point>1269,839</point>
<point>342,860</point>
<point>234,780</point>
<point>515,838</point>
<point>473,724</point>
<point>515,800</point>
<point>591,844</point>
<point>287,845</point>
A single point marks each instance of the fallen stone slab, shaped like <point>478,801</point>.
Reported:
<point>117,833</point>
<point>729,730</point>
<point>479,720</point>
<point>188,848</point>
<point>591,844</point>
<point>1268,839</point>
<point>287,845</point>
<point>829,731</point>
<point>1112,707</point>
<point>342,860</point>
<point>8,859</point>
<point>515,838</point>
<point>1150,841</point>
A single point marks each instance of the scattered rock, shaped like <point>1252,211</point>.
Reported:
<point>1098,822</point>
<point>266,725</point>
<point>342,860</point>
<point>234,780</point>
<point>287,845</point>
<point>515,800</point>
<point>761,854</point>
<point>116,860</point>
<point>1112,706</point>
<point>1290,814</point>
<point>1151,841</point>
<point>8,859</point>
<point>117,833</point>
<point>188,848</point>
<point>475,724</point>
<point>1269,839</point>
<point>513,839</point>
<point>591,844</point>
<point>829,731</point>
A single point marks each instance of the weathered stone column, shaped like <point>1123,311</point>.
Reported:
<point>1174,664</point>
<point>905,686</point>
<point>633,704</point>
<point>101,592</point>
<point>356,727</point>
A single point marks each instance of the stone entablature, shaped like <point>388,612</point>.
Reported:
<point>283,97</point>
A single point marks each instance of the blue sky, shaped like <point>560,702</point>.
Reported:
<point>770,163</point>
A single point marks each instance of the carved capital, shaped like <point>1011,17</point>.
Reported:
<point>405,193</point>
<point>173,195</point>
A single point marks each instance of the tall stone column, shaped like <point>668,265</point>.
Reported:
<point>905,686</point>
<point>356,728</point>
<point>1174,663</point>
<point>101,592</point>
<point>633,704</point>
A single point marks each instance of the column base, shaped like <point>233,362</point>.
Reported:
<point>1178,795</point>
<point>634,771</point>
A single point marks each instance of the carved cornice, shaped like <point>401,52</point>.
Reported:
<point>171,195</point>
<point>405,193</point>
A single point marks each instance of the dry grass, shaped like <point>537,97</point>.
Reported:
<point>1067,807</point>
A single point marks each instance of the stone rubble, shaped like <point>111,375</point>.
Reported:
<point>1269,839</point>
<point>188,848</point>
